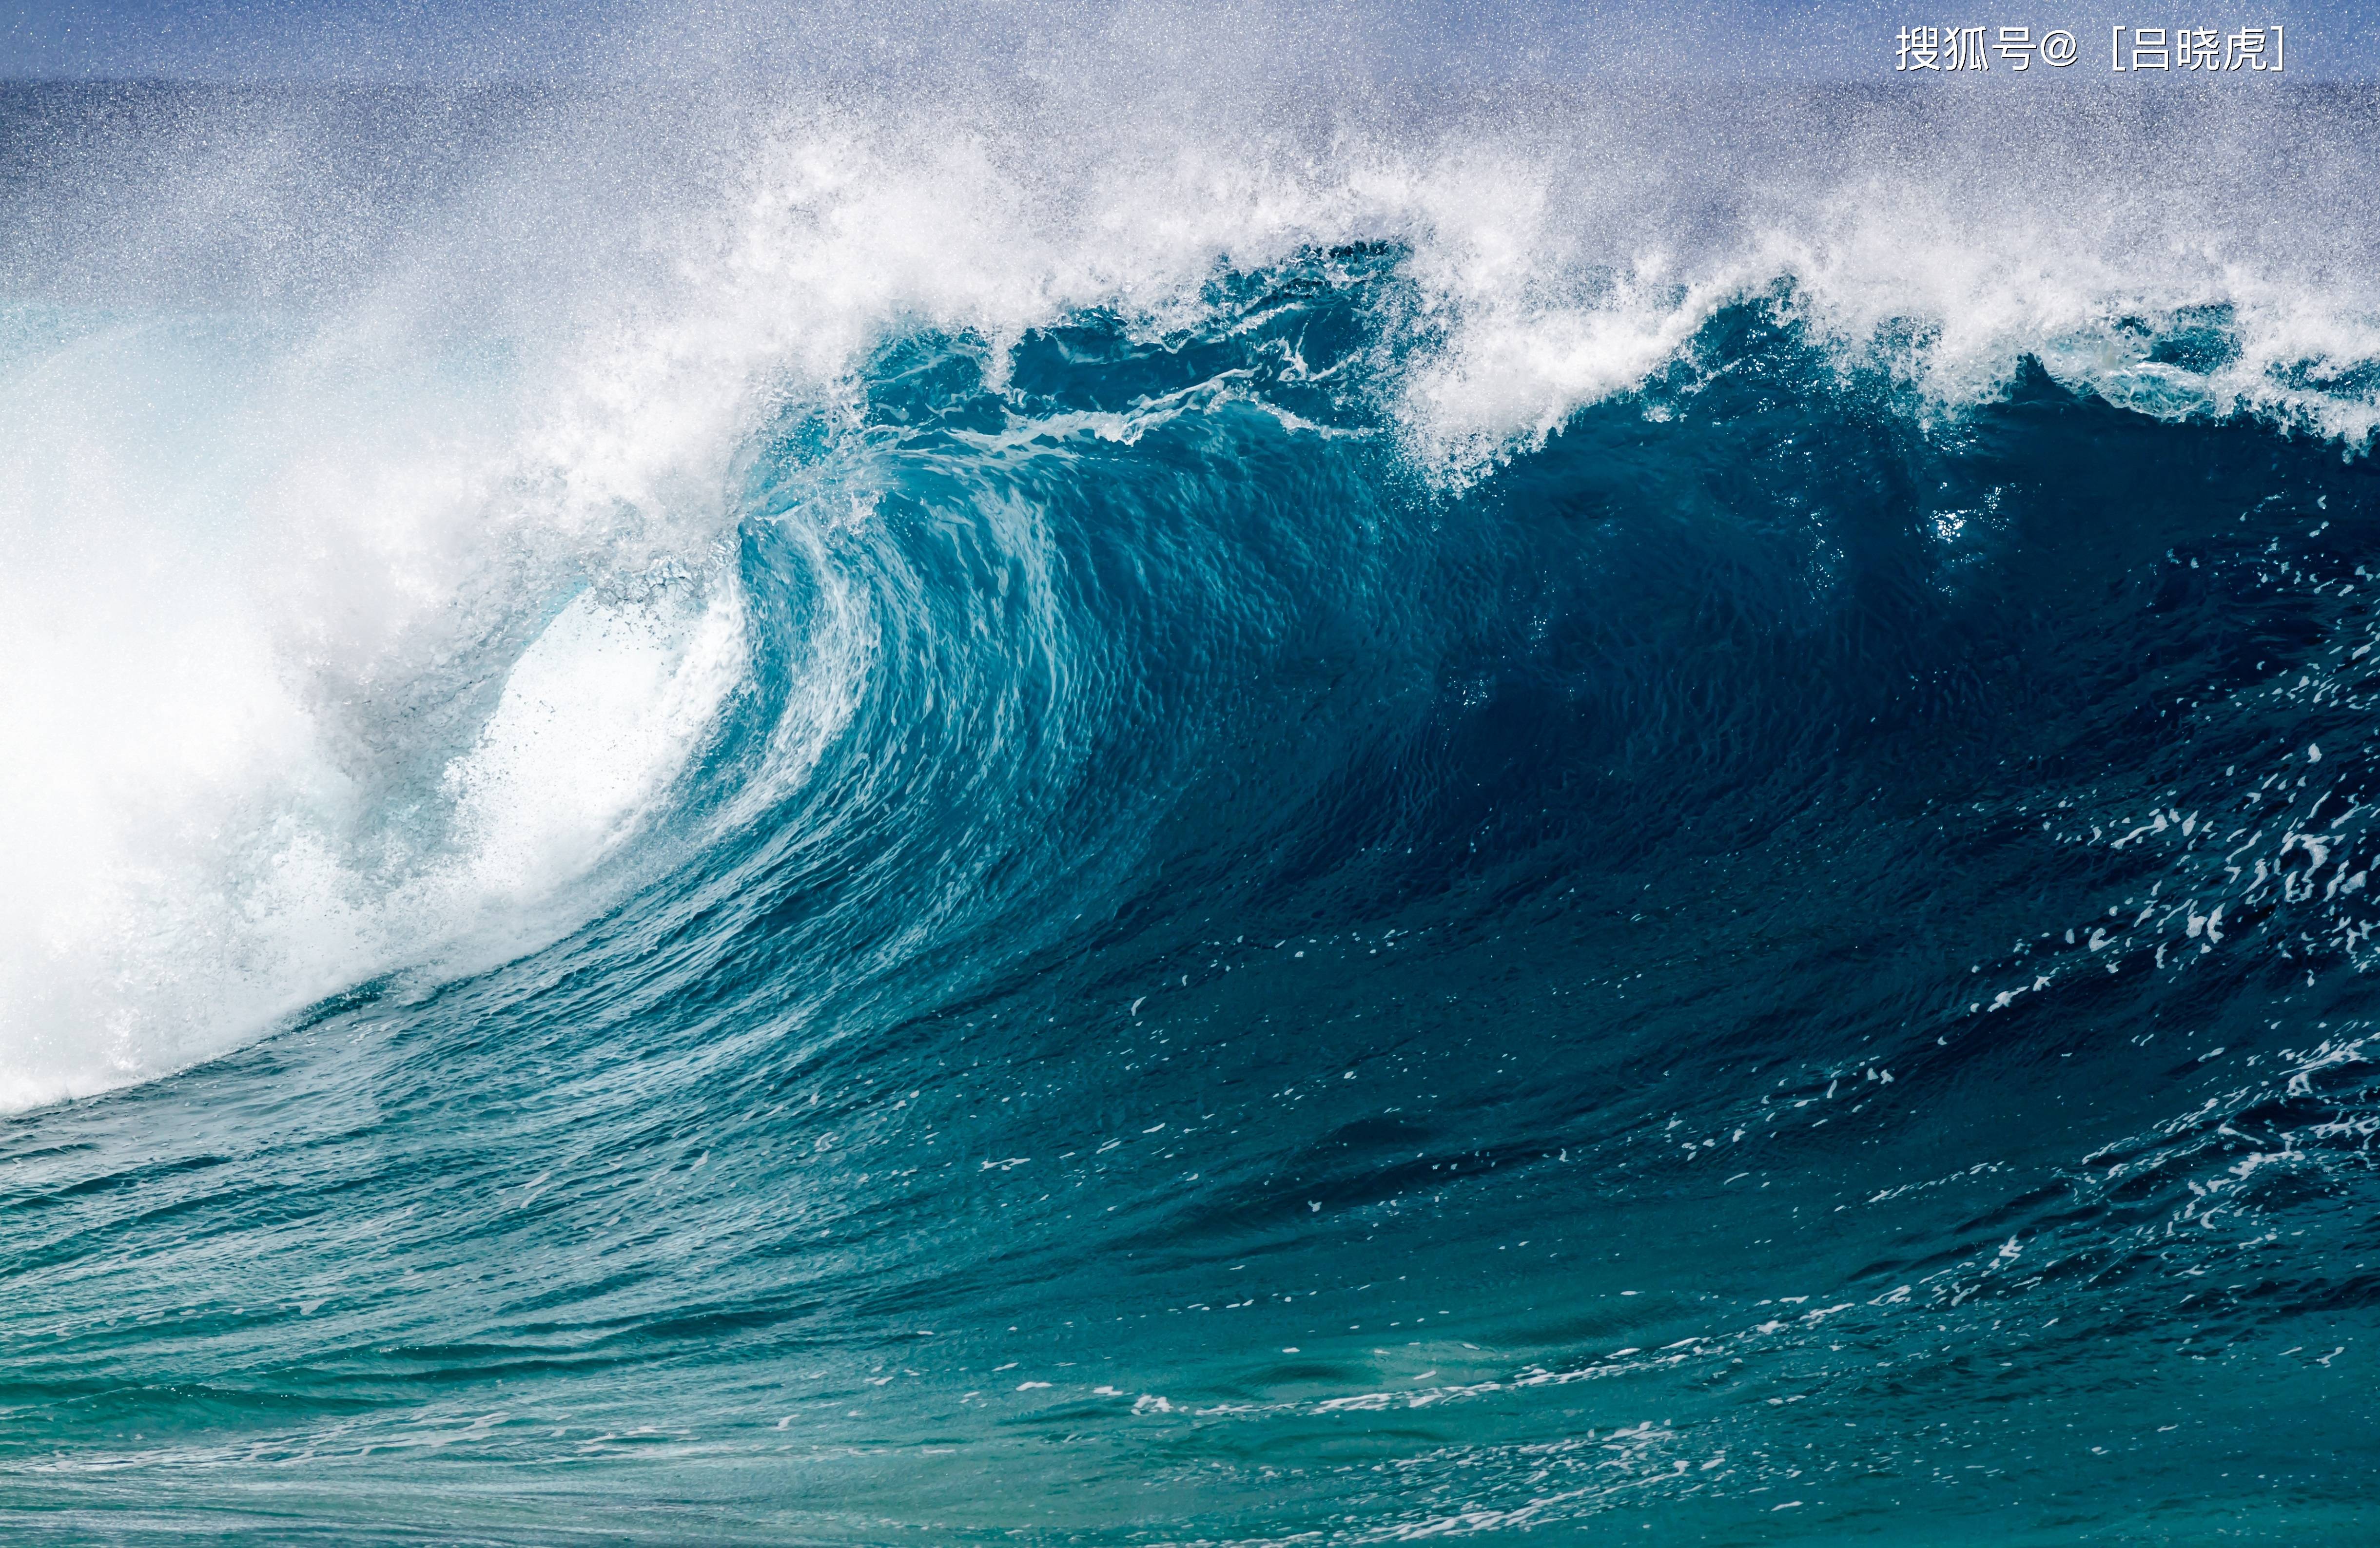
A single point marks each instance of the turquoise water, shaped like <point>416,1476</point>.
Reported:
<point>1237,914</point>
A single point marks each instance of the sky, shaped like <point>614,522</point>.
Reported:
<point>451,41</point>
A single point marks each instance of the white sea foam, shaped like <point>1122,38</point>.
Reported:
<point>308,685</point>
<point>365,600</point>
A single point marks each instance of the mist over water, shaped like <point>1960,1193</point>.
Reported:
<point>1180,787</point>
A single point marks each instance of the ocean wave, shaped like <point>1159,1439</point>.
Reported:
<point>421,495</point>
<point>1379,824</point>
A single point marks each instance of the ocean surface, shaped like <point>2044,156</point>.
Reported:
<point>1062,816</point>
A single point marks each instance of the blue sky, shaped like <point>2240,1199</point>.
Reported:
<point>236,40</point>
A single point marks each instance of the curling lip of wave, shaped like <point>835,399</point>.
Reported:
<point>397,741</point>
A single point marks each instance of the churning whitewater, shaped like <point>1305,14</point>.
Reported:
<point>1090,815</point>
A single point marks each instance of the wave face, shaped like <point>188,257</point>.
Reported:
<point>1040,823</point>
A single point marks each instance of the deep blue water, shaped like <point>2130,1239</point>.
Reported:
<point>1786,962</point>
